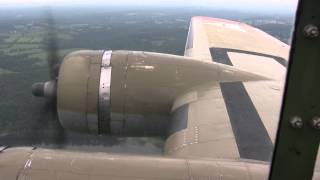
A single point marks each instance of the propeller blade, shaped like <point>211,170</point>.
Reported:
<point>52,47</point>
<point>56,133</point>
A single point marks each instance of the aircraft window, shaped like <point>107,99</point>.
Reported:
<point>220,97</point>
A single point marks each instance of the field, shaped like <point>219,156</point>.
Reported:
<point>27,120</point>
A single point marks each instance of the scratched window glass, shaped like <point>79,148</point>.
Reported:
<point>199,79</point>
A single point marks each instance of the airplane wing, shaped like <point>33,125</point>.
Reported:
<point>234,119</point>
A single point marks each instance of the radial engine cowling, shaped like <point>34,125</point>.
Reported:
<point>105,92</point>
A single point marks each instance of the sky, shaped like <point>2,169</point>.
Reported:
<point>258,5</point>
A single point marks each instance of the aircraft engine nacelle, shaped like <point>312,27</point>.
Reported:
<point>119,93</point>
<point>130,93</point>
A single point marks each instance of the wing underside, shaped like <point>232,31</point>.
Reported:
<point>234,119</point>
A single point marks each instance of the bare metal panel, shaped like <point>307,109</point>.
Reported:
<point>104,93</point>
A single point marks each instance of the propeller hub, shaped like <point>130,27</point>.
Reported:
<point>45,89</point>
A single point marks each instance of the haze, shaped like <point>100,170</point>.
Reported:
<point>273,6</point>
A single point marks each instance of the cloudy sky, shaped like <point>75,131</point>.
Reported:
<point>258,5</point>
